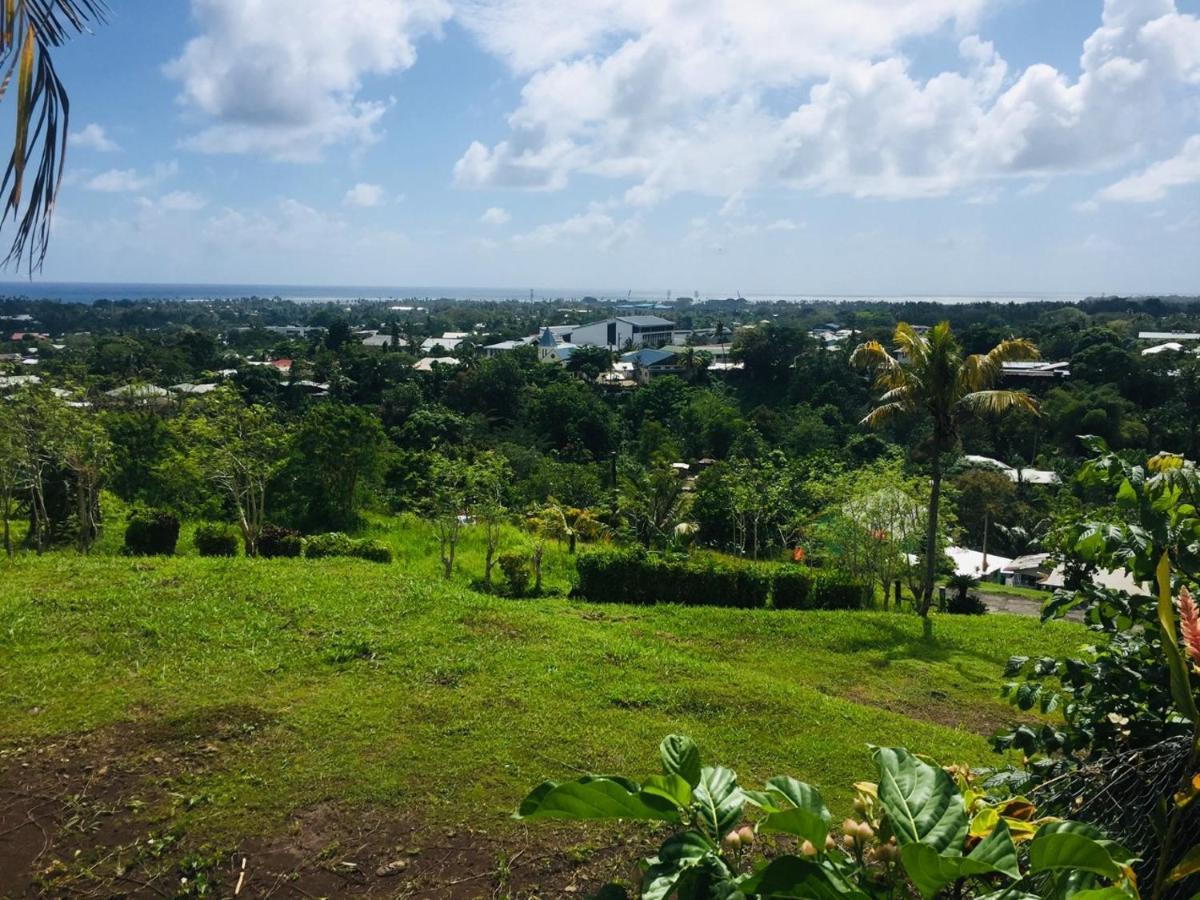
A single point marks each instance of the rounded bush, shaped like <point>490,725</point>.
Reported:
<point>279,542</point>
<point>320,546</point>
<point>373,551</point>
<point>518,572</point>
<point>216,540</point>
<point>151,532</point>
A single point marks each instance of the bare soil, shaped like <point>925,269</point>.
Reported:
<point>95,815</point>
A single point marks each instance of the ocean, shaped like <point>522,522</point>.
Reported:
<point>90,292</point>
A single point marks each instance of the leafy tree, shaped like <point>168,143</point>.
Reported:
<point>446,505</point>
<point>240,448</point>
<point>769,351</point>
<point>84,447</point>
<point>487,482</point>
<point>35,418</point>
<point>931,378</point>
<point>652,499</point>
<point>985,499</point>
<point>589,363</point>
<point>12,468</point>
<point>337,450</point>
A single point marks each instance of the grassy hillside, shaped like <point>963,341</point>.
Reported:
<point>359,683</point>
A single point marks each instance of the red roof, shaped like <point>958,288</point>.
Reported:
<point>21,335</point>
<point>283,365</point>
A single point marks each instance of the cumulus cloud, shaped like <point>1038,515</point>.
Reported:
<point>723,99</point>
<point>119,181</point>
<point>284,78</point>
<point>495,215</point>
<point>595,225</point>
<point>364,195</point>
<point>93,137</point>
<point>182,201</point>
<point>1156,180</point>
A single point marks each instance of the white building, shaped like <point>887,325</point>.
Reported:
<point>624,332</point>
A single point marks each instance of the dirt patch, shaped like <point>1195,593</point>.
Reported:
<point>96,816</point>
<point>980,718</point>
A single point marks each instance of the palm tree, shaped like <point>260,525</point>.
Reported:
<point>29,32</point>
<point>930,376</point>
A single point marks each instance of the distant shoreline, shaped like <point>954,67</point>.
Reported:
<point>90,292</point>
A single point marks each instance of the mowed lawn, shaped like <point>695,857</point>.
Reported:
<point>361,684</point>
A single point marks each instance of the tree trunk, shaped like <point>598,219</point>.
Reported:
<point>935,494</point>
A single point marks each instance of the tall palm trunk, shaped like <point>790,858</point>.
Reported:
<point>935,494</point>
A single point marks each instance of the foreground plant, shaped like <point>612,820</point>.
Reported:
<point>920,829</point>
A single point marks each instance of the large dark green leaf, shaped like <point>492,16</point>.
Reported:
<point>671,788</point>
<point>921,802</point>
<point>794,877</point>
<point>681,855</point>
<point>719,800</point>
<point>681,756</point>
<point>931,872</point>
<point>794,807</point>
<point>592,797</point>
<point>1071,850</point>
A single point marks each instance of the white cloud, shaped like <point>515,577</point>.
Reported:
<point>364,195</point>
<point>93,137</point>
<point>182,201</point>
<point>783,225</point>
<point>495,215</point>
<point>1155,181</point>
<point>283,78</point>
<point>594,225</point>
<point>119,181</point>
<point>690,97</point>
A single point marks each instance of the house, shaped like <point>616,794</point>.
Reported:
<point>625,332</point>
<point>1036,369</point>
<point>651,361</point>
<point>447,342</point>
<point>976,564</point>
<point>12,382</point>
<point>1168,347</point>
<point>1028,571</point>
<point>195,390</point>
<point>1017,476</point>
<point>551,349</point>
<point>377,339</point>
<point>1168,336</point>
<point>1113,580</point>
<point>427,364</point>
<point>144,395</point>
<point>18,336</point>
<point>506,346</point>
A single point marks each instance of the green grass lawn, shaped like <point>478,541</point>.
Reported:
<point>379,685</point>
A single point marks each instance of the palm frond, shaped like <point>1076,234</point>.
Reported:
<point>982,370</point>
<point>29,31</point>
<point>885,413</point>
<point>872,355</point>
<point>995,402</point>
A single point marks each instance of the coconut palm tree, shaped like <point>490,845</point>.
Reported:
<point>30,30</point>
<point>930,376</point>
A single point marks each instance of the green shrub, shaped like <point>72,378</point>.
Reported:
<point>634,576</point>
<point>966,604</point>
<point>323,546</point>
<point>151,532</point>
<point>372,551</point>
<point>792,587</point>
<point>833,590</point>
<point>320,546</point>
<point>518,572</point>
<point>276,541</point>
<point>216,540</point>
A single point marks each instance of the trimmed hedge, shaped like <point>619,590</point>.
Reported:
<point>322,546</point>
<point>276,541</point>
<point>635,576</point>
<point>216,540</point>
<point>151,532</point>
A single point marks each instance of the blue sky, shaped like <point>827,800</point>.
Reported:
<point>869,146</point>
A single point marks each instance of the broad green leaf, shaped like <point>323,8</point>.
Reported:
<point>681,854</point>
<point>930,872</point>
<point>921,802</point>
<point>1188,866</point>
<point>681,756</point>
<point>794,877</point>
<point>796,808</point>
<point>1105,893</point>
<point>1072,851</point>
<point>719,799</point>
<point>671,788</point>
<point>592,797</point>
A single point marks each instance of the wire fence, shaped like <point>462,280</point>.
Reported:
<point>1123,794</point>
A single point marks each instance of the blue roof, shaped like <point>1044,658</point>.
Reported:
<point>547,339</point>
<point>648,356</point>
